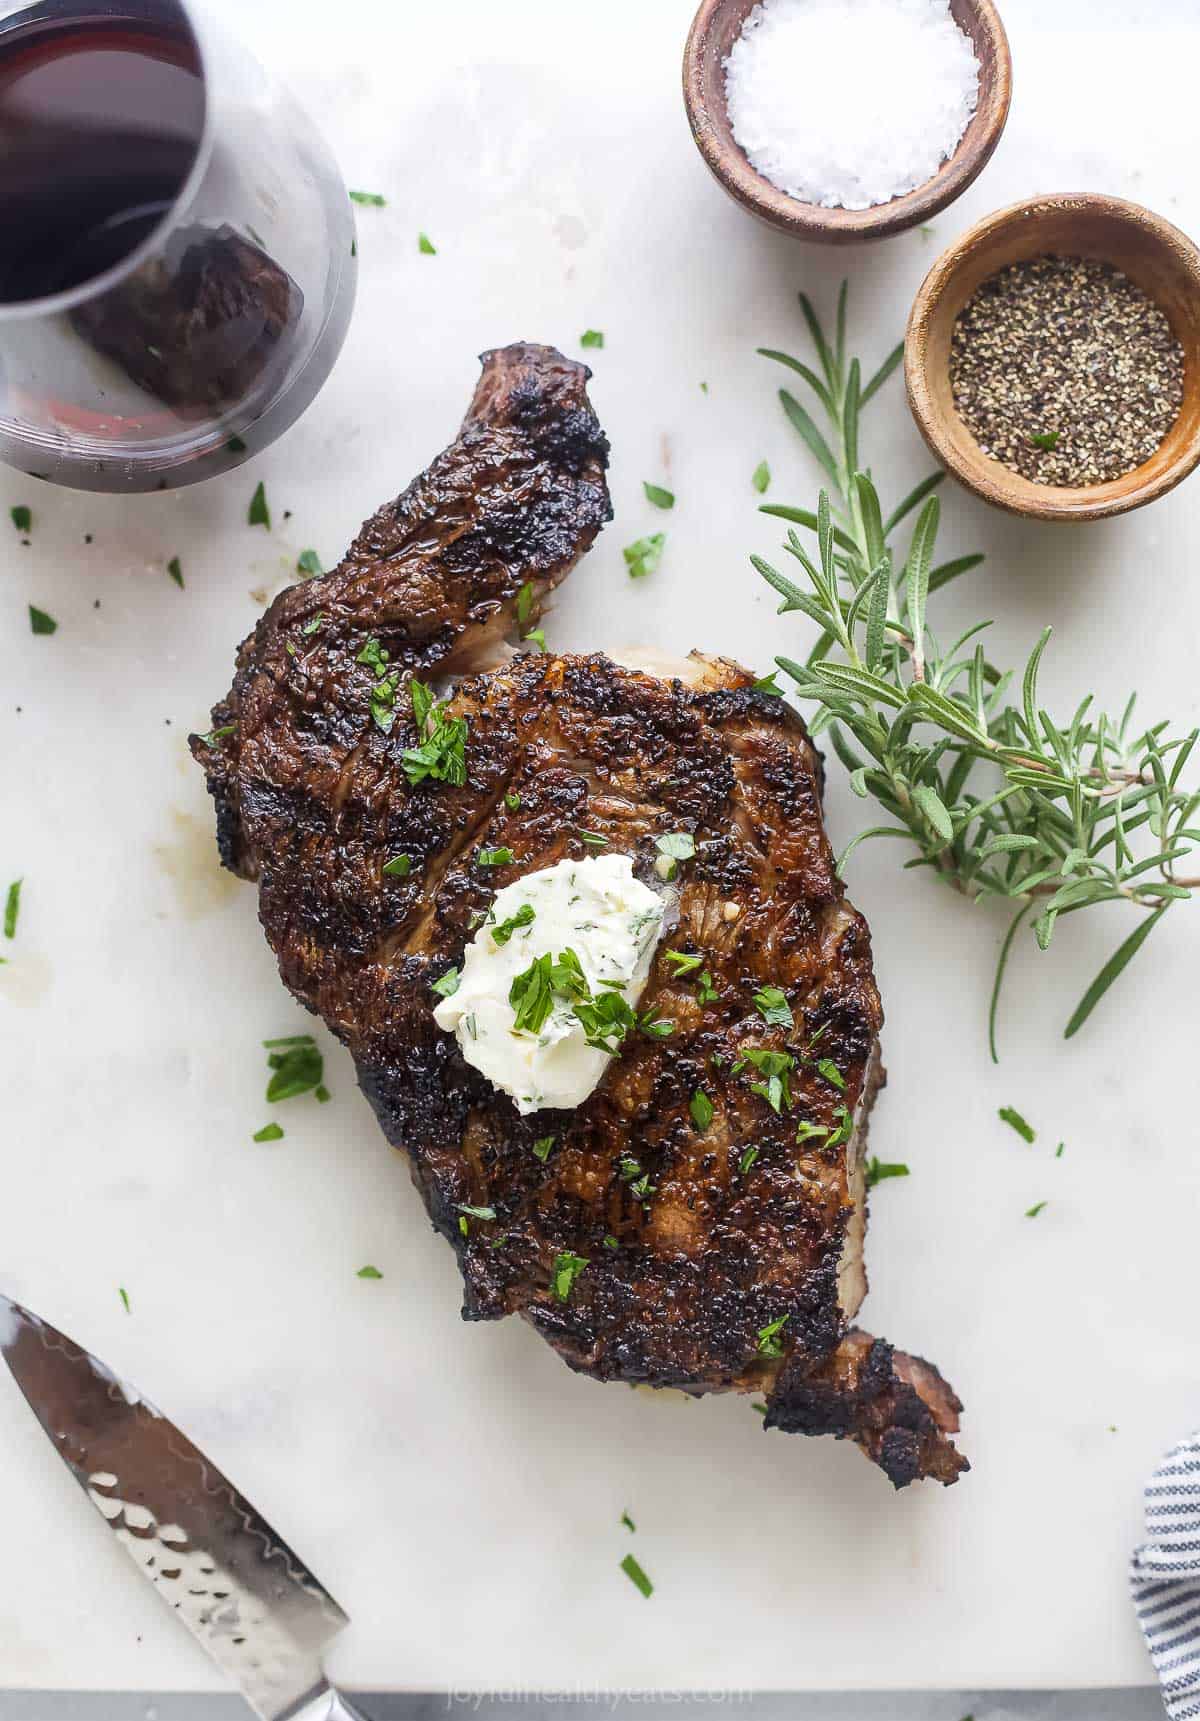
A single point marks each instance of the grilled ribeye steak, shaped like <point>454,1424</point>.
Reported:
<point>723,1252</point>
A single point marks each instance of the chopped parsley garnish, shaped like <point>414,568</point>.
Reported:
<point>374,656</point>
<point>371,198</point>
<point>383,703</point>
<point>531,996</point>
<point>309,563</point>
<point>314,623</point>
<point>215,735</point>
<point>426,246</point>
<point>773,1007</point>
<point>537,636</point>
<point>592,338</point>
<point>644,554</point>
<point>512,802</point>
<point>606,1019</point>
<point>1012,1117</point>
<point>657,496</point>
<point>124,1296</point>
<point>542,1146</point>
<point>175,569</point>
<point>1058,1151</point>
<point>524,603</point>
<point>22,517</point>
<point>442,753</point>
<point>523,917</point>
<point>12,908</point>
<point>679,845</point>
<point>636,1575</point>
<point>747,1160</point>
<point>767,684</point>
<point>494,857</point>
<point>268,1132</point>
<point>706,992</point>
<point>658,1027</point>
<point>682,963</point>
<point>297,1067</point>
<point>260,514</point>
<point>476,1212</point>
<point>1047,439</point>
<point>369,1273</point>
<point>878,1170</point>
<point>398,867</point>
<point>463,1226</point>
<point>757,1405</point>
<point>593,839</point>
<point>628,1522</point>
<point>40,622</point>
<point>323,1094</point>
<point>775,1068</point>
<point>1032,1212</point>
<point>832,1074</point>
<point>702,1110</point>
<point>769,1341</point>
<point>762,477</point>
<point>447,986</point>
<point>567,1268</point>
<point>611,1243</point>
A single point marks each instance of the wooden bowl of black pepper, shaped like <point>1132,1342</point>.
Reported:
<point>1053,358</point>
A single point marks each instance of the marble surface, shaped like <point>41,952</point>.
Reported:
<point>455,1486</point>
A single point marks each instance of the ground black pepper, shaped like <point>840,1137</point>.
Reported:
<point>1065,370</point>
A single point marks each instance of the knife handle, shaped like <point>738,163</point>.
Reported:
<point>328,1705</point>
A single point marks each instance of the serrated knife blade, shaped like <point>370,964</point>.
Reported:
<point>237,1586</point>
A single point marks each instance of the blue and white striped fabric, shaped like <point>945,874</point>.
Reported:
<point>1165,1577</point>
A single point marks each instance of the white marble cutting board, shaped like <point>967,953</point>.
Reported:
<point>456,1487</point>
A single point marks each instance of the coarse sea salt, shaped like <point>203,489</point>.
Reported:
<point>850,103</point>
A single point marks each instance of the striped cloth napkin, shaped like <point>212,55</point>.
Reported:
<point>1165,1577</point>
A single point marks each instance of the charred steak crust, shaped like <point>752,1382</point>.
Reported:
<point>692,1245</point>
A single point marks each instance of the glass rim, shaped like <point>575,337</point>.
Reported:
<point>50,304</point>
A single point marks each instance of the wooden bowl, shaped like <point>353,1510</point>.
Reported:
<point>1157,257</point>
<point>716,27</point>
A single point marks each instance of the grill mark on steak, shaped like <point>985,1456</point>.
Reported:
<point>312,799</point>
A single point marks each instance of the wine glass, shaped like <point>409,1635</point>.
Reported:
<point>177,256</point>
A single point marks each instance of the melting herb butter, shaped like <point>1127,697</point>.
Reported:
<point>609,922</point>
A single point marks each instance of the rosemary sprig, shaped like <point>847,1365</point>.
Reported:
<point>999,799</point>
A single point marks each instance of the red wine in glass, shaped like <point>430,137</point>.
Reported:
<point>176,247</point>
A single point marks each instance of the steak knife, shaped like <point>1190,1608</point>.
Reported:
<point>236,1585</point>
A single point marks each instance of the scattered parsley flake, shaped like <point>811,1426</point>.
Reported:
<point>592,338</point>
<point>124,1296</point>
<point>524,916</point>
<point>657,496</point>
<point>628,1522</point>
<point>512,802</point>
<point>767,684</point>
<point>773,1007</point>
<point>1032,1212</point>
<point>297,1067</point>
<point>314,623</point>
<point>323,1094</point>
<point>175,569</point>
<point>215,735</point>
<point>1013,1118</point>
<point>426,246</point>
<point>832,1074</point>
<point>542,1146</point>
<point>878,1170</point>
<point>611,1243</point>
<point>1046,439</point>
<point>1058,1151</point>
<point>398,867</point>
<point>677,845</point>
<point>706,992</point>
<point>308,563</point>
<point>259,513</point>
<point>476,1212</point>
<point>494,857</point>
<point>757,1405</point>
<point>447,986</point>
<point>268,1132</point>
<point>769,1341</point>
<point>371,198</point>
<point>682,963</point>
<point>12,908</point>
<point>369,1273</point>
<point>40,622</point>
<point>442,752</point>
<point>22,517</point>
<point>538,636</point>
<point>593,839</point>
<point>636,1575</point>
<point>644,554</point>
<point>567,1268</point>
<point>524,603</point>
<point>762,478</point>
<point>747,1160</point>
<point>702,1110</point>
